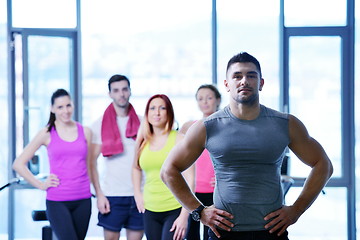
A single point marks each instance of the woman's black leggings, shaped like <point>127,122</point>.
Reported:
<point>158,224</point>
<point>69,219</point>
<point>194,227</point>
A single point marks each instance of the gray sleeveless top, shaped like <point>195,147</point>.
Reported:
<point>247,157</point>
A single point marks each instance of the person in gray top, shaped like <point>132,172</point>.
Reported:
<point>247,142</point>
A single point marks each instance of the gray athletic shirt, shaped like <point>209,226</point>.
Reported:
<point>247,157</point>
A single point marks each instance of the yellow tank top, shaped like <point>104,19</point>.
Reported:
<point>157,197</point>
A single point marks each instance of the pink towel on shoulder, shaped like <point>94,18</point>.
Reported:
<point>110,134</point>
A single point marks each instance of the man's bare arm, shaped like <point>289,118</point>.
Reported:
<point>182,156</point>
<point>310,152</point>
<point>102,202</point>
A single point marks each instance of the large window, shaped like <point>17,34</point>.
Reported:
<point>316,91</point>
<point>43,57</point>
<point>325,219</point>
<point>47,66</point>
<point>299,13</point>
<point>253,29</point>
<point>315,97</point>
<point>151,42</point>
<point>44,14</point>
<point>4,122</point>
<point>318,88</point>
<point>161,46</point>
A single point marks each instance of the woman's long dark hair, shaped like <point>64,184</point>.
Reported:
<point>58,93</point>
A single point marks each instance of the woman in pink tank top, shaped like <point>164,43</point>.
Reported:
<point>208,98</point>
<point>68,203</point>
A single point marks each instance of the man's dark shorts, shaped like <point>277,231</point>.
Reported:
<point>123,214</point>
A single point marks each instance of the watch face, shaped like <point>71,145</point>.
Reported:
<point>196,216</point>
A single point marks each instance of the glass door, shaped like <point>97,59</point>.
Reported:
<point>315,94</point>
<point>43,62</point>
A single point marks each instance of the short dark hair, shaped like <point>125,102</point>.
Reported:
<point>117,78</point>
<point>244,57</point>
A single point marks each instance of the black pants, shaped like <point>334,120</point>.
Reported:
<point>250,235</point>
<point>193,226</point>
<point>158,224</point>
<point>69,219</point>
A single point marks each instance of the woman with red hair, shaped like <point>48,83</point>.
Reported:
<point>164,218</point>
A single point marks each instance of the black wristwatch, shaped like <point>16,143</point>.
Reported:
<point>196,214</point>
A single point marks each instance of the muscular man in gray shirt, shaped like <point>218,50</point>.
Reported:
<point>247,142</point>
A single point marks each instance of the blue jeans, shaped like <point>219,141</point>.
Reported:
<point>248,235</point>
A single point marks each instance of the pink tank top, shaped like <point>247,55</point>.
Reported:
<point>68,161</point>
<point>204,173</point>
